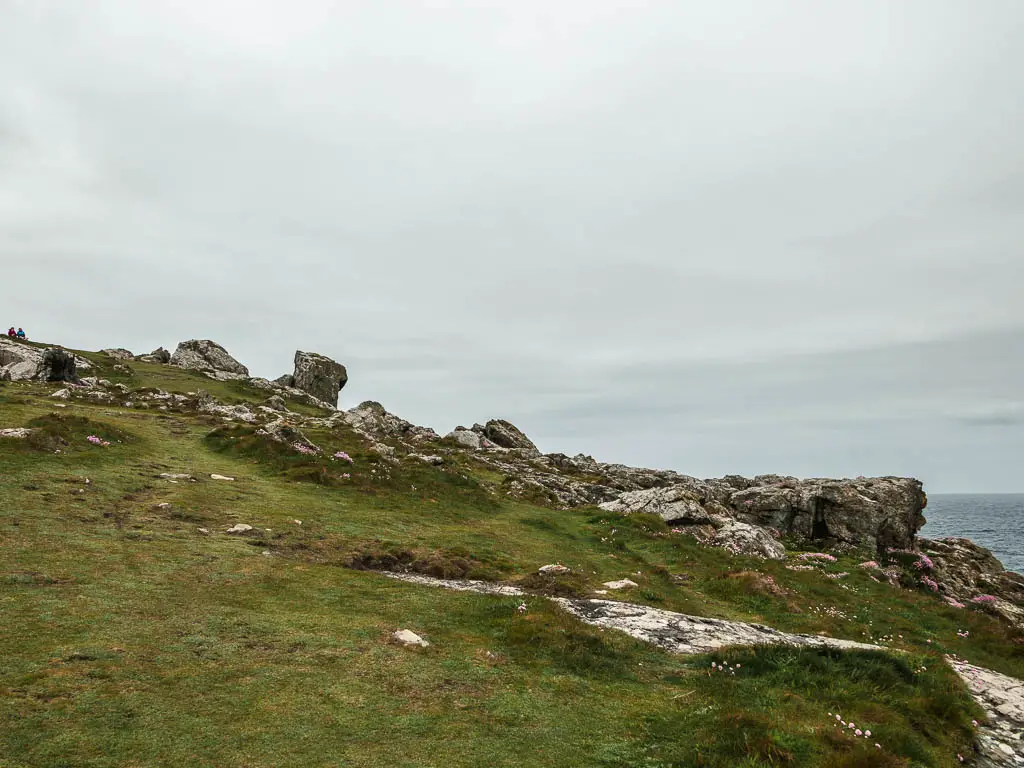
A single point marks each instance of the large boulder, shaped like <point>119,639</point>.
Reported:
<point>676,504</point>
<point>158,355</point>
<point>209,358</point>
<point>372,420</point>
<point>504,434</point>
<point>876,513</point>
<point>465,438</point>
<point>744,539</point>
<point>318,376</point>
<point>23,362</point>
<point>118,354</point>
<point>58,365</point>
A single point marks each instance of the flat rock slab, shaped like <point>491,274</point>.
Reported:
<point>465,585</point>
<point>680,633</point>
<point>620,584</point>
<point>676,632</point>
<point>1001,742</point>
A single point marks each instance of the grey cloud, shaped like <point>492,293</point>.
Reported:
<point>716,236</point>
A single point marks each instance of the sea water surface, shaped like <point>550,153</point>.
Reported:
<point>995,521</point>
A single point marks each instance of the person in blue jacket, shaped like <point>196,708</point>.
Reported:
<point>21,334</point>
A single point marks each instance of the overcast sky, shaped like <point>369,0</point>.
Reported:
<point>713,236</point>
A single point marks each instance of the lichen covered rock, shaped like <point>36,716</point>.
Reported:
<point>23,362</point>
<point>504,434</point>
<point>209,358</point>
<point>318,376</point>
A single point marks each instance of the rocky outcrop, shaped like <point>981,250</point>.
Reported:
<point>372,420</point>
<point>504,434</point>
<point>23,362</point>
<point>58,365</point>
<point>158,355</point>
<point>968,573</point>
<point>465,438</point>
<point>683,503</point>
<point>318,376</point>
<point>745,539</point>
<point>209,358</point>
<point>282,432</point>
<point>874,513</point>
<point>118,354</point>
<point>878,513</point>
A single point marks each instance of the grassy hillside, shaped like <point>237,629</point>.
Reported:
<point>131,637</point>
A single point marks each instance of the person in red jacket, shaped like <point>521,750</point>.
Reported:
<point>11,332</point>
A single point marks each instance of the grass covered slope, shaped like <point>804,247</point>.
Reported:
<point>138,632</point>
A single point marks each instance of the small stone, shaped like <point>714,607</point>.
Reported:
<point>18,433</point>
<point>203,530</point>
<point>175,476</point>
<point>554,568</point>
<point>240,528</point>
<point>432,460</point>
<point>409,638</point>
<point>221,477</point>
<point>297,522</point>
<point>621,584</point>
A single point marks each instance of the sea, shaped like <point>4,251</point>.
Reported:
<point>996,521</point>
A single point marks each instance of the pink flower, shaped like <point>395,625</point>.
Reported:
<point>859,732</point>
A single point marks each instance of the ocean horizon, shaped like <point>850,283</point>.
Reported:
<point>993,520</point>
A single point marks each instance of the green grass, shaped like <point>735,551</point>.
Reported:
<point>131,638</point>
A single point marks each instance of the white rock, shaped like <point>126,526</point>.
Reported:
<point>62,394</point>
<point>409,638</point>
<point>621,584</point>
<point>221,477</point>
<point>466,438</point>
<point>209,358</point>
<point>173,477</point>
<point>432,460</point>
<point>240,528</point>
<point>17,432</point>
<point>553,568</point>
<point>745,539</point>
